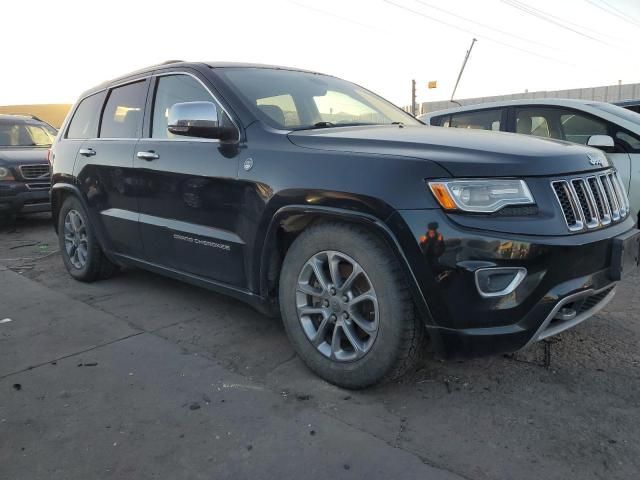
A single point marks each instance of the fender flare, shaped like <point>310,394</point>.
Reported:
<point>366,219</point>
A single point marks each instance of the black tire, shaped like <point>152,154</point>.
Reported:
<point>400,333</point>
<point>97,266</point>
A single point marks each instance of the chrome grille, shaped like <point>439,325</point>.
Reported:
<point>32,172</point>
<point>592,201</point>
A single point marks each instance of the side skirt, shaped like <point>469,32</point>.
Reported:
<point>261,304</point>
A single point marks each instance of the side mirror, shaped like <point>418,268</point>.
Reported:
<point>603,142</point>
<point>197,119</point>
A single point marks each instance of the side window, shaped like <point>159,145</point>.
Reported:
<point>280,108</point>
<point>84,123</point>
<point>441,121</point>
<point>172,89</point>
<point>122,117</point>
<point>577,127</point>
<point>536,121</point>
<point>480,120</point>
<point>630,143</point>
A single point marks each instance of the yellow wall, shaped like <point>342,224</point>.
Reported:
<point>52,113</point>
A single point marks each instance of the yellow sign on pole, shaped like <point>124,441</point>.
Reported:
<point>433,84</point>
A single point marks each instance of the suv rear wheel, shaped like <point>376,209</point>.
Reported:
<point>346,306</point>
<point>81,253</point>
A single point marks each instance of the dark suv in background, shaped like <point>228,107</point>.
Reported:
<point>311,197</point>
<point>24,167</point>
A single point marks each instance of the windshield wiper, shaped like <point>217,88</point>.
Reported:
<point>333,125</point>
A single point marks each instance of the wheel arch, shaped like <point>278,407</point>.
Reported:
<point>289,221</point>
<point>59,193</point>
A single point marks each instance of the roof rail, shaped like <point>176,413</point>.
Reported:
<point>28,115</point>
<point>168,62</point>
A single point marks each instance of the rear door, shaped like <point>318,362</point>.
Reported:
<point>104,167</point>
<point>190,202</point>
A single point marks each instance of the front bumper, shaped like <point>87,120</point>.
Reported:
<point>570,271</point>
<point>16,197</point>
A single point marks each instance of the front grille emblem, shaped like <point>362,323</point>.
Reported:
<point>596,159</point>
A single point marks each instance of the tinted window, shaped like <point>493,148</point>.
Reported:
<point>172,89</point>
<point>482,120</point>
<point>442,121</point>
<point>577,127</point>
<point>629,142</point>
<point>122,115</point>
<point>84,123</point>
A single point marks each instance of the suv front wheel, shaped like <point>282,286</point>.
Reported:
<point>346,306</point>
<point>81,253</point>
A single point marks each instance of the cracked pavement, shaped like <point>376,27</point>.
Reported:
<point>145,377</point>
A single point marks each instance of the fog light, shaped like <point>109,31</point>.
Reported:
<point>497,282</point>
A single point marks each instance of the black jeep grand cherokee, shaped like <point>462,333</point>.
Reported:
<point>310,196</point>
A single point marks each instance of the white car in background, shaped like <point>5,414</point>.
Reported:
<point>613,129</point>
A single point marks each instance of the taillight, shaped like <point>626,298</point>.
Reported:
<point>50,157</point>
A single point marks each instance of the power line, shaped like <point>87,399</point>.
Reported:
<point>611,10</point>
<point>484,25</point>
<point>575,25</point>
<point>547,17</point>
<point>448,24</point>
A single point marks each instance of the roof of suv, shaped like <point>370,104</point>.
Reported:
<point>181,63</point>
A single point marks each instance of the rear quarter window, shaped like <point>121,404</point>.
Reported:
<point>84,123</point>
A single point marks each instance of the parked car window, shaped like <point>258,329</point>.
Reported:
<point>279,105</point>
<point>482,120</point>
<point>122,115</point>
<point>84,123</point>
<point>441,121</point>
<point>630,143</point>
<point>578,128</point>
<point>14,134</point>
<point>172,89</point>
<point>532,125</point>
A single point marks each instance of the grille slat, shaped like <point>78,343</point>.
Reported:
<point>592,202</point>
<point>32,172</point>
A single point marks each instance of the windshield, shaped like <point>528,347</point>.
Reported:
<point>292,100</point>
<point>619,112</point>
<point>25,134</point>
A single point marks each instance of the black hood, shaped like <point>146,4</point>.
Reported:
<point>464,153</point>
<point>14,156</point>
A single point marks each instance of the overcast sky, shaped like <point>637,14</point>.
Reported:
<point>52,51</point>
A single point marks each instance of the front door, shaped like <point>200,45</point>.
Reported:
<point>189,196</point>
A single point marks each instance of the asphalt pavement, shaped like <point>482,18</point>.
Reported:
<point>143,377</point>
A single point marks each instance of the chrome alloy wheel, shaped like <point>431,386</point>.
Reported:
<point>337,306</point>
<point>75,239</point>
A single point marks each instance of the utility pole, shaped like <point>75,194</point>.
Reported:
<point>413,98</point>
<point>464,64</point>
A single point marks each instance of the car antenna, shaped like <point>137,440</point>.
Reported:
<point>464,64</point>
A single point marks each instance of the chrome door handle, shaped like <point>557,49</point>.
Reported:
<point>87,152</point>
<point>148,156</point>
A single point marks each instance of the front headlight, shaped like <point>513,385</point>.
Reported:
<point>5,174</point>
<point>481,196</point>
